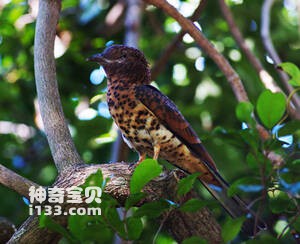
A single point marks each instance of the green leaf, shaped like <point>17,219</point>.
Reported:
<point>89,228</point>
<point>194,240</point>
<point>134,199</point>
<point>143,173</point>
<point>107,201</point>
<point>246,181</point>
<point>134,228</point>
<point>231,137</point>
<point>296,162</point>
<point>251,138</point>
<point>47,222</point>
<point>113,220</point>
<point>95,179</point>
<point>231,228</point>
<point>186,184</point>
<point>280,203</point>
<point>152,209</point>
<point>263,239</point>
<point>291,175</point>
<point>76,224</point>
<point>252,161</point>
<point>293,71</point>
<point>296,225</point>
<point>193,205</point>
<point>270,107</point>
<point>244,111</point>
<point>289,128</point>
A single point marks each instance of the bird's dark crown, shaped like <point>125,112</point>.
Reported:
<point>124,62</point>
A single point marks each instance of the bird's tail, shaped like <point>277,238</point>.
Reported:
<point>235,206</point>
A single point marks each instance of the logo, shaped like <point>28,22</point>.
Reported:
<point>51,200</point>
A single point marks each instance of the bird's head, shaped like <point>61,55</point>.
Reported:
<point>125,63</point>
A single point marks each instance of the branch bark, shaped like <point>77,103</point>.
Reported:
<point>15,182</point>
<point>118,187</point>
<point>59,138</point>
<point>7,229</point>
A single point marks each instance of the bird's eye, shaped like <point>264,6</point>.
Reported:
<point>124,56</point>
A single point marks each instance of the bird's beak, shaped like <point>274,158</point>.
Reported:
<point>97,58</point>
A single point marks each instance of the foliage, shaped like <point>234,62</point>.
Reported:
<point>144,172</point>
<point>202,94</point>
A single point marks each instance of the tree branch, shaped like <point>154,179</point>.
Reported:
<point>267,42</point>
<point>265,77</point>
<point>7,229</point>
<point>118,187</point>
<point>15,182</point>
<point>160,63</point>
<point>61,144</point>
<point>224,66</point>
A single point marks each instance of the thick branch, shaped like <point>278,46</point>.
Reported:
<point>57,132</point>
<point>7,229</point>
<point>268,44</point>
<point>15,182</point>
<point>224,66</point>
<point>118,187</point>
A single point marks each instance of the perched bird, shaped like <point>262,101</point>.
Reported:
<point>152,125</point>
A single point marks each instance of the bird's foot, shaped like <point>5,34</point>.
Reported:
<point>163,175</point>
<point>132,166</point>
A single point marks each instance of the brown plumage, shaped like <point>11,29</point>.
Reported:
<point>152,124</point>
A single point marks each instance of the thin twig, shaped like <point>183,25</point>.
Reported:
<point>288,225</point>
<point>265,77</point>
<point>268,44</point>
<point>166,216</point>
<point>165,56</point>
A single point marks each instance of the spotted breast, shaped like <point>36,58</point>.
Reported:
<point>143,131</point>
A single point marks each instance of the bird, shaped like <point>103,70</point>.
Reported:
<point>151,124</point>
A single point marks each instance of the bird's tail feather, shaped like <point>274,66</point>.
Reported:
<point>235,206</point>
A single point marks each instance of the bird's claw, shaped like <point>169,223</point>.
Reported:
<point>132,166</point>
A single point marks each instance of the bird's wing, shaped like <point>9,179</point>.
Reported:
<point>169,115</point>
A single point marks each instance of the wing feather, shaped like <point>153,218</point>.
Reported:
<point>169,115</point>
